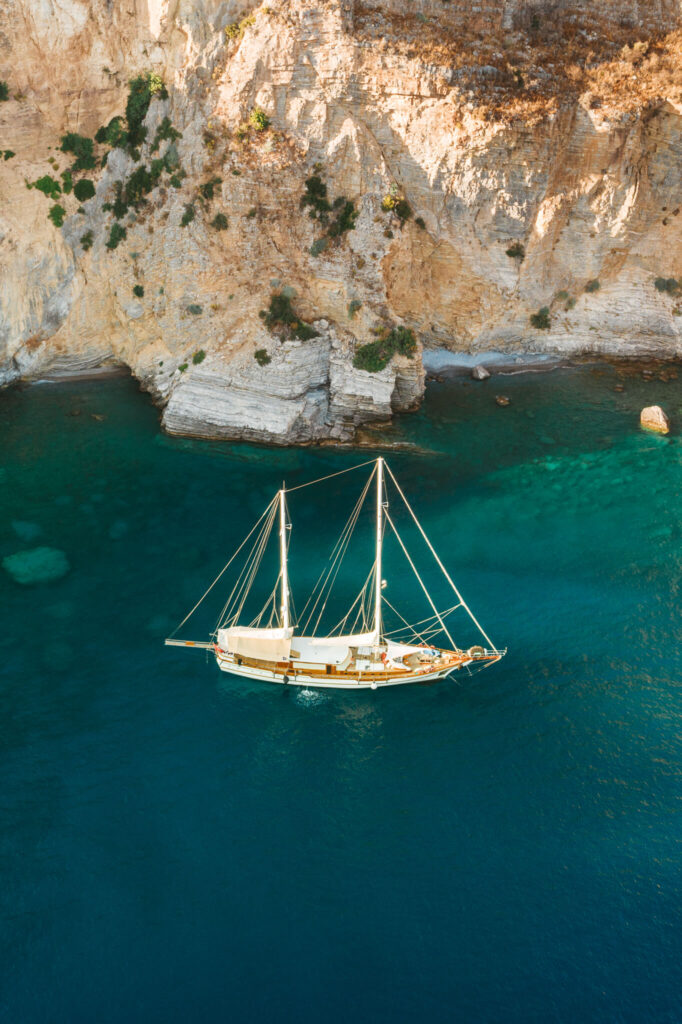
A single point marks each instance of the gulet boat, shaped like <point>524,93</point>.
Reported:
<point>356,654</point>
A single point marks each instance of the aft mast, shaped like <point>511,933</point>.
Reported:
<point>377,582</point>
<point>284,574</point>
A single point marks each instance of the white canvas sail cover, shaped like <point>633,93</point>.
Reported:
<point>264,644</point>
<point>328,650</point>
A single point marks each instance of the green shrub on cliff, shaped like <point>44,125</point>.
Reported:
<point>82,148</point>
<point>57,214</point>
<point>113,134</point>
<point>207,190</point>
<point>141,92</point>
<point>84,189</point>
<point>259,120</point>
<point>219,222</point>
<point>281,315</point>
<point>540,320</point>
<point>138,291</point>
<point>116,235</point>
<point>198,357</point>
<point>316,199</point>
<point>4,92</point>
<point>315,196</point>
<point>86,241</point>
<point>592,286</point>
<point>261,356</point>
<point>48,186</point>
<point>516,251</point>
<point>165,131</point>
<point>8,154</point>
<point>376,355</point>
<point>344,219</point>
<point>237,28</point>
<point>669,285</point>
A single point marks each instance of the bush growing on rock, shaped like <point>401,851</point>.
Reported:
<point>261,356</point>
<point>84,189</point>
<point>420,222</point>
<point>395,202</point>
<point>317,200</point>
<point>188,215</point>
<point>540,320</point>
<point>237,29</point>
<point>376,355</point>
<point>116,235</point>
<point>281,315</point>
<point>207,190</point>
<point>142,91</point>
<point>86,241</point>
<point>196,310</point>
<point>113,134</point>
<point>82,148</point>
<point>315,196</point>
<point>592,286</point>
<point>219,222</point>
<point>57,215</point>
<point>47,185</point>
<point>669,285</point>
<point>259,120</point>
<point>8,154</point>
<point>344,219</point>
<point>198,357</point>
<point>4,92</point>
<point>138,291</point>
<point>516,251</point>
<point>163,132</point>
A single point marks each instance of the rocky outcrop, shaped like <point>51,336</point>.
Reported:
<point>536,154</point>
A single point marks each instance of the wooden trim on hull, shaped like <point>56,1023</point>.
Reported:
<point>282,672</point>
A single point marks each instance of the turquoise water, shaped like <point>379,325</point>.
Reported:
<point>176,845</point>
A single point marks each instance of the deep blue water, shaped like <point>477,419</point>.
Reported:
<point>176,845</point>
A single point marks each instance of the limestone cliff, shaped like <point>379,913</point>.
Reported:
<point>513,171</point>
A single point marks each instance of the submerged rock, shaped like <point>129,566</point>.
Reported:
<point>480,373</point>
<point>26,531</point>
<point>653,418</point>
<point>502,399</point>
<point>36,565</point>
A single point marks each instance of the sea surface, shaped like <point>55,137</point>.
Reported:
<point>179,845</point>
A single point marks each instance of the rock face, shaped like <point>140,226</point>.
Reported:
<point>505,163</point>
<point>653,418</point>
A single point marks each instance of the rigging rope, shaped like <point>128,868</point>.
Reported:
<point>225,567</point>
<point>440,564</point>
<point>329,476</point>
<point>421,583</point>
<point>336,560</point>
<point>256,552</point>
<point>427,631</point>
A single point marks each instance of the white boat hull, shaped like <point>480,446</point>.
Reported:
<point>301,678</point>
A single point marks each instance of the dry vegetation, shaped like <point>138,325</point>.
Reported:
<point>553,52</point>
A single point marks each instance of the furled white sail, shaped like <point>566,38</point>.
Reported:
<point>267,644</point>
